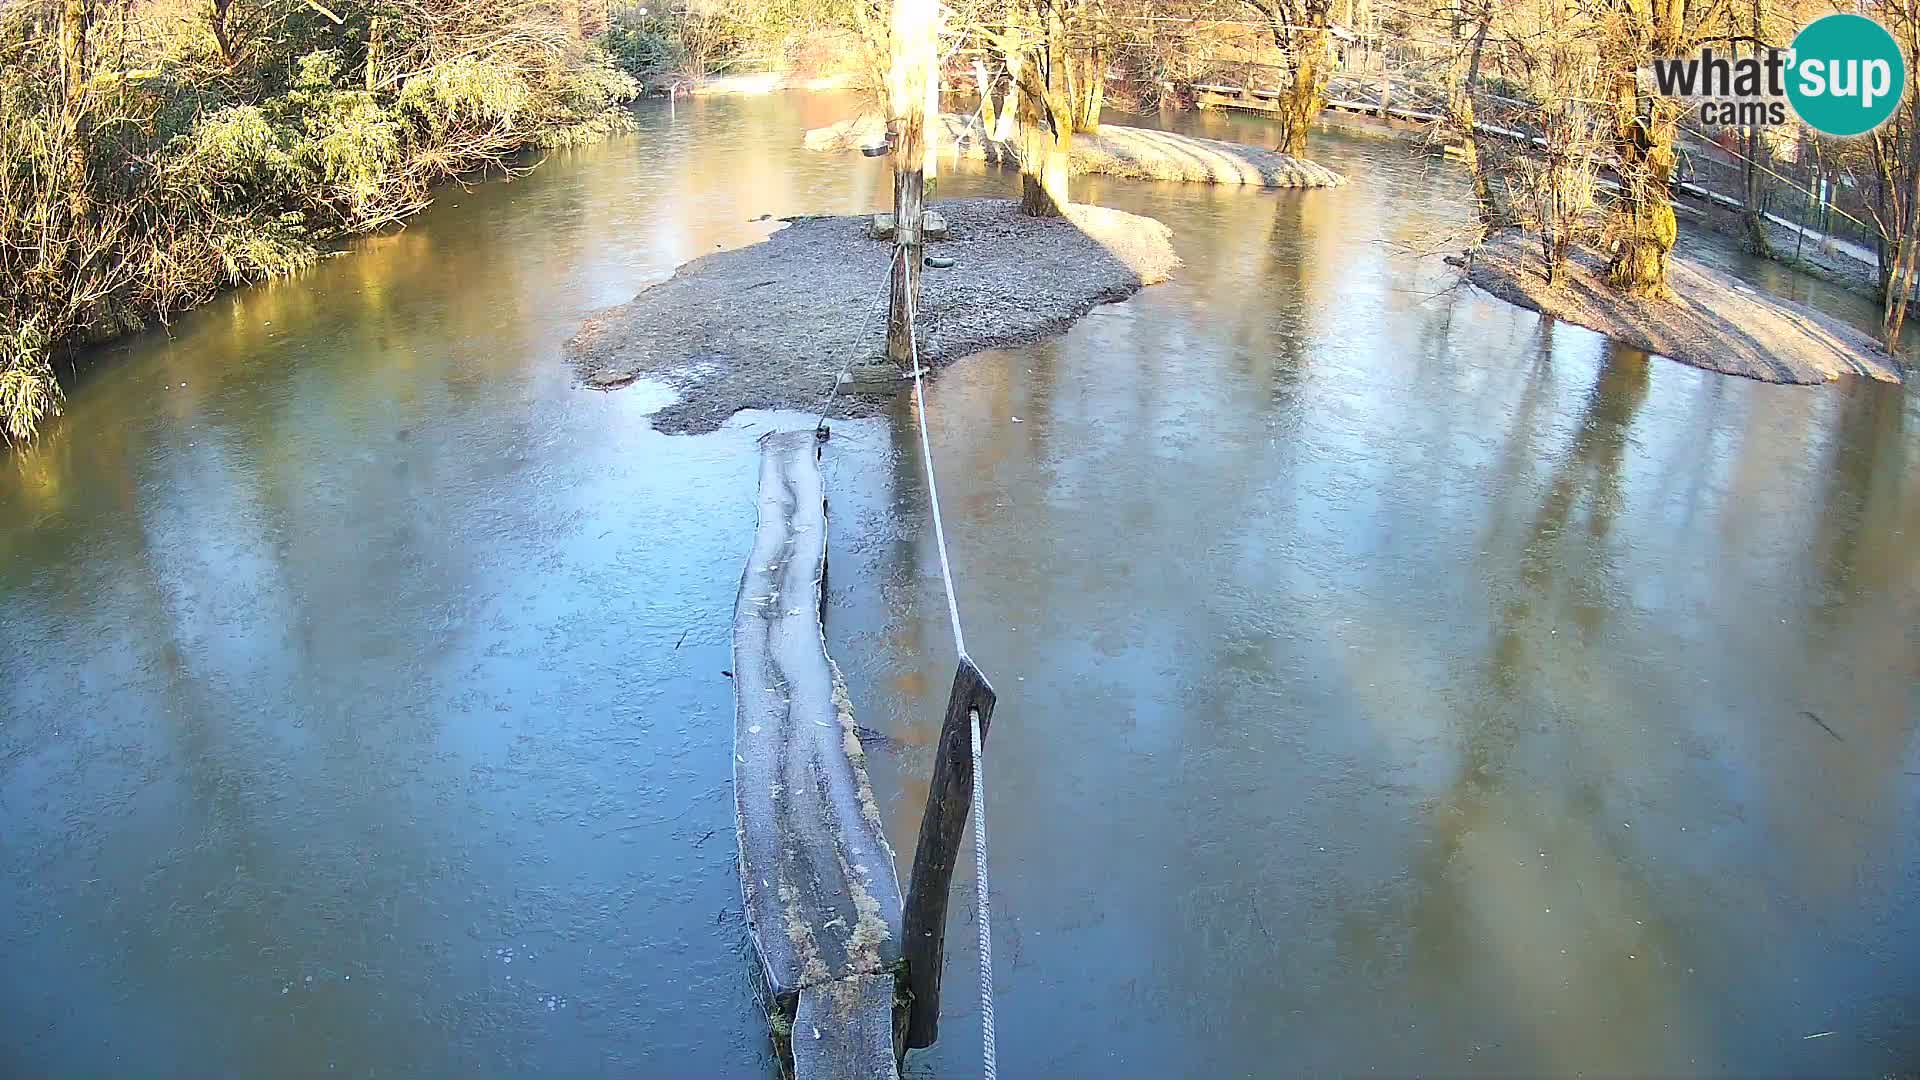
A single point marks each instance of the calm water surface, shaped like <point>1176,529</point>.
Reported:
<point>1390,681</point>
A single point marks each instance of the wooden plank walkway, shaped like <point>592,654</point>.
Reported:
<point>821,896</point>
<point>1267,100</point>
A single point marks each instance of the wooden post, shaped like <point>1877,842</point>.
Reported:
<point>915,57</point>
<point>949,797</point>
<point>903,284</point>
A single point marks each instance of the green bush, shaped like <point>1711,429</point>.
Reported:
<point>234,153</point>
<point>154,181</point>
<point>646,48</point>
<point>583,105</point>
<point>469,92</point>
<point>28,390</point>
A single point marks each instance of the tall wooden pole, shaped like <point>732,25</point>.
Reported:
<point>912,80</point>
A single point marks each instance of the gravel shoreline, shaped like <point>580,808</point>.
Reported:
<point>1709,321</point>
<point>770,326</point>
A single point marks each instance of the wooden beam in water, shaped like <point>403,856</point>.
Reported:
<point>949,798</point>
<point>821,897</point>
<point>1222,96</point>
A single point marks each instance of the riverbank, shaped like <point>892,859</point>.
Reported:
<point>220,166</point>
<point>1816,256</point>
<point>772,325</point>
<point>1116,150</point>
<point>1710,320</point>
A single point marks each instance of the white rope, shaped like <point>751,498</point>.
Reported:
<point>984,920</point>
<point>926,457</point>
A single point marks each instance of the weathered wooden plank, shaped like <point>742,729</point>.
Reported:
<point>933,226</point>
<point>949,798</point>
<point>844,1028</point>
<point>821,897</point>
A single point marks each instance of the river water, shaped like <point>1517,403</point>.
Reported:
<point>1390,681</point>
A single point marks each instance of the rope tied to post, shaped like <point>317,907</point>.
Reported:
<point>984,921</point>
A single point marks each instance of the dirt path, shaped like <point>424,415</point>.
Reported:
<point>770,326</point>
<point>1711,320</point>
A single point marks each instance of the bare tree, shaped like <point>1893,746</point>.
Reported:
<point>1553,189</point>
<point>1896,160</point>
<point>1753,213</point>
<point>1092,33</point>
<point>1471,21</point>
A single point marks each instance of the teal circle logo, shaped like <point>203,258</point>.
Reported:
<point>1846,75</point>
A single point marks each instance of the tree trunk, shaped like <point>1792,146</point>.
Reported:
<point>373,53</point>
<point>1648,228</point>
<point>1307,95</point>
<point>1046,125</point>
<point>1644,146</point>
<point>1899,289</point>
<point>1012,45</point>
<point>1899,286</point>
<point>1010,109</point>
<point>984,85</point>
<point>1885,196</point>
<point>1089,69</point>
<point>1905,171</point>
<point>1043,158</point>
<point>1463,118</point>
<point>217,12</point>
<point>1755,214</point>
<point>76,20</point>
